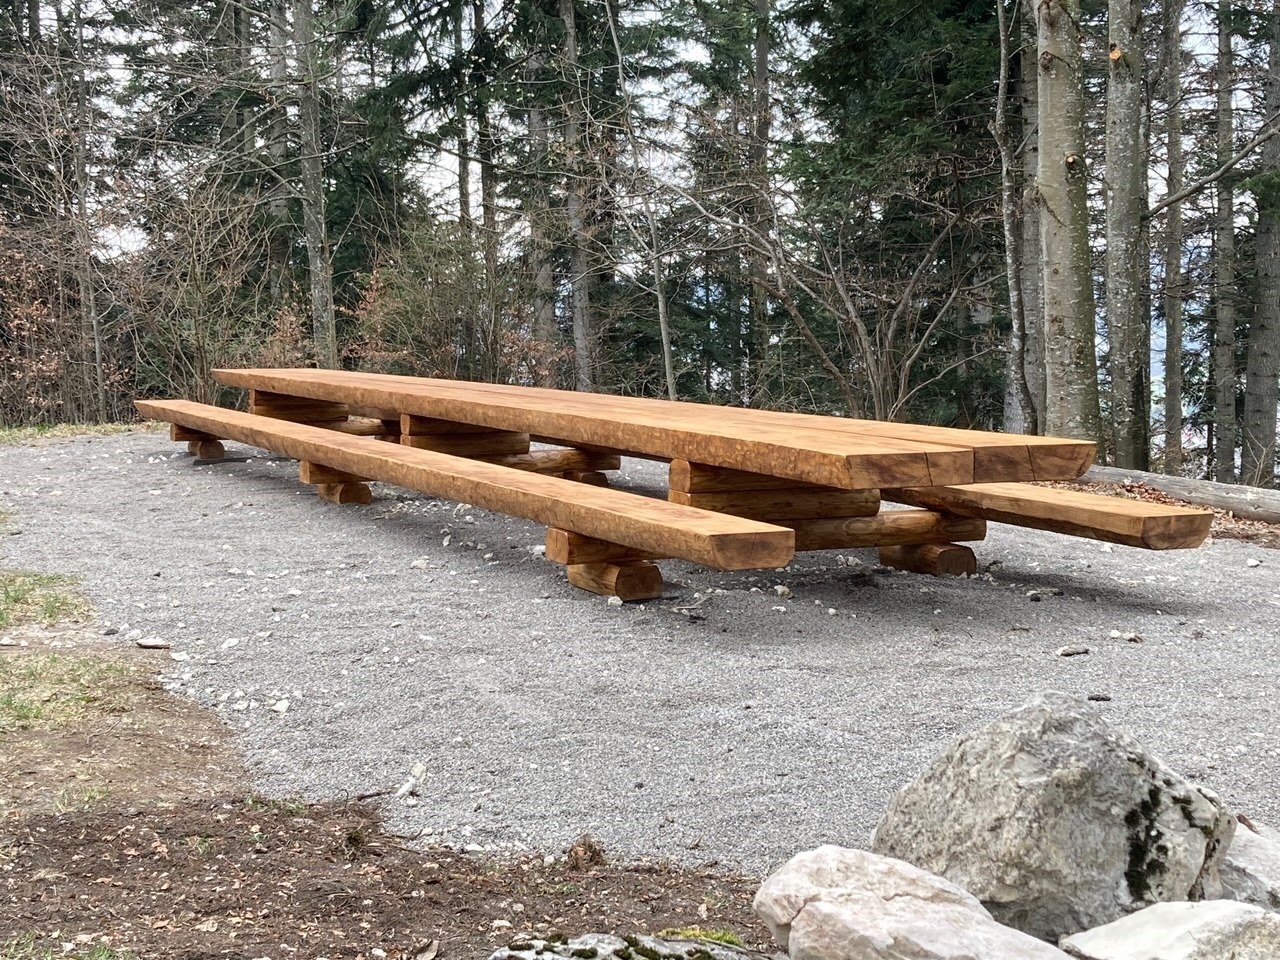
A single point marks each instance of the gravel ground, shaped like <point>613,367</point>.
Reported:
<point>724,723</point>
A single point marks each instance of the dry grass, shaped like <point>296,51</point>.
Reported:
<point>47,691</point>
<point>20,436</point>
<point>27,597</point>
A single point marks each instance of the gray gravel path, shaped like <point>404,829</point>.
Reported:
<point>418,631</point>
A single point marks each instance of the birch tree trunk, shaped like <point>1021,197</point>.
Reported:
<point>1173,291</point>
<point>312,187</point>
<point>1071,367</point>
<point>1019,411</point>
<point>1032,275</point>
<point>537,204</point>
<point>1126,276</point>
<point>1262,369</point>
<point>575,207</point>
<point>1224,257</point>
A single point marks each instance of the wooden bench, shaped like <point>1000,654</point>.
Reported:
<point>721,541</point>
<point>1135,523</point>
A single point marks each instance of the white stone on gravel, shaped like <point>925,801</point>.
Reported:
<point>1251,871</point>
<point>834,903</point>
<point>1209,930</point>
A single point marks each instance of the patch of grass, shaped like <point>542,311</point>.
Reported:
<point>44,691</point>
<point>44,597</point>
<point>200,846</point>
<point>18,436</point>
<point>698,933</point>
<point>24,948</point>
<point>81,799</point>
<point>288,807</point>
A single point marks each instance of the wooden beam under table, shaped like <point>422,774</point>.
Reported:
<point>803,450</point>
<point>627,580</point>
<point>1135,523</point>
<point>792,504</point>
<point>715,540</point>
<point>937,559</point>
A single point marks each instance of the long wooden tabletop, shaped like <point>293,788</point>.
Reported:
<point>833,451</point>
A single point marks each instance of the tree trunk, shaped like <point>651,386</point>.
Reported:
<point>91,319</point>
<point>1173,291</point>
<point>1032,275</point>
<point>314,221</point>
<point>758,178</point>
<point>1071,377</point>
<point>544,318</point>
<point>1224,258</point>
<point>483,361</point>
<point>1019,410</point>
<point>279,236</point>
<point>1262,369</point>
<point>1126,273</point>
<point>460,118</point>
<point>575,208</point>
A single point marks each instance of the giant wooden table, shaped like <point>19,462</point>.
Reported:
<point>747,488</point>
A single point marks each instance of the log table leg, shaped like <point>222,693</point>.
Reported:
<point>938,559</point>
<point>627,580</point>
<point>201,445</point>
<point>336,486</point>
<point>343,493</point>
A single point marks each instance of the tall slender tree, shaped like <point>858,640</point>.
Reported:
<point>1224,263</point>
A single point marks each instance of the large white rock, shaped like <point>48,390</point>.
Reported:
<point>1058,821</point>
<point>834,903</point>
<point>1210,930</point>
<point>1251,871</point>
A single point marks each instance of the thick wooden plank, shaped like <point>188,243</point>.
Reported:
<point>298,409</point>
<point>559,461</point>
<point>784,504</point>
<point>568,548</point>
<point>1134,523</point>
<point>343,493</point>
<point>714,540</point>
<point>801,450</point>
<point>411,426</point>
<point>631,580</point>
<point>316,473</point>
<point>891,528</point>
<point>181,434</point>
<point>593,477</point>
<point>488,444</point>
<point>364,427</point>
<point>936,559</point>
<point>687,477</point>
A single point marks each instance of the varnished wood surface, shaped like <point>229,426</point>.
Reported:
<point>715,540</point>
<point>803,449</point>
<point>994,456</point>
<point>1135,523</point>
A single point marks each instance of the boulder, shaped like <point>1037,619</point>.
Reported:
<point>1057,821</point>
<point>1251,871</point>
<point>1210,930</point>
<point>834,903</point>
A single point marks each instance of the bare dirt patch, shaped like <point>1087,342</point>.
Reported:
<point>127,829</point>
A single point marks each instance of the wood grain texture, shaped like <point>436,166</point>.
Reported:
<point>1135,523</point>
<point>686,477</point>
<point>364,427</point>
<point>630,580</point>
<point>412,426</point>
<point>206,449</point>
<point>180,434</point>
<point>803,449</point>
<point>892,528</point>
<point>593,477</point>
<point>568,548</point>
<point>784,504</point>
<point>298,409</point>
<point>488,444</point>
<point>936,559</point>
<point>344,493</point>
<point>558,461</point>
<point>714,540</point>
<point>316,473</point>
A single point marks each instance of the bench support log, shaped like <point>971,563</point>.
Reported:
<point>318,473</point>
<point>281,406</point>
<point>569,548</point>
<point>938,559</point>
<point>206,449</point>
<point>343,493</point>
<point>629,580</point>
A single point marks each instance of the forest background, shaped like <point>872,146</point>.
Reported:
<point>1046,216</point>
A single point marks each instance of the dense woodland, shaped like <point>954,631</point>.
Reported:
<point>1046,216</point>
